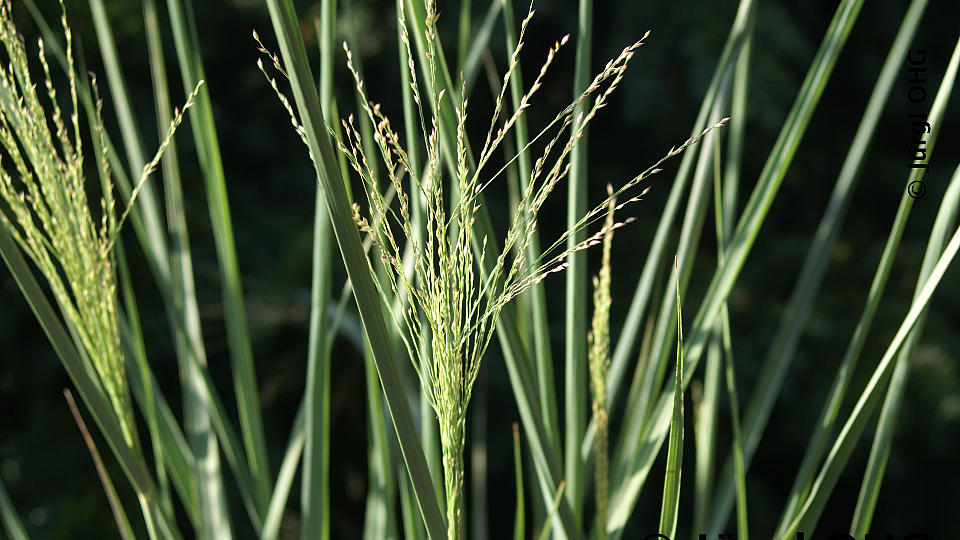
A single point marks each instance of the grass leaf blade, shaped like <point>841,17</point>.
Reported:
<point>575,318</point>
<point>671,481</point>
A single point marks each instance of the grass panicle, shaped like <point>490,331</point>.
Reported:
<point>48,213</point>
<point>599,362</point>
<point>456,306</point>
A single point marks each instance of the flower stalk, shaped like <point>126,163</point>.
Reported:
<point>452,311</point>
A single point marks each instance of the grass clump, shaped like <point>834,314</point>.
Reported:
<point>451,302</point>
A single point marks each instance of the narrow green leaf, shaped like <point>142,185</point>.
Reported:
<point>315,480</point>
<point>802,485</point>
<point>379,520</point>
<point>179,461</point>
<point>706,398</point>
<point>288,470</point>
<point>575,314</point>
<point>412,527</point>
<point>238,340</point>
<point>8,515</point>
<point>809,513</point>
<point>519,519</point>
<point>883,441</point>
<point>722,218</point>
<point>479,44</point>
<point>119,514</point>
<point>808,284</point>
<point>741,243</point>
<point>181,286</point>
<point>463,33</point>
<point>671,478</point>
<point>554,506</point>
<point>222,427</point>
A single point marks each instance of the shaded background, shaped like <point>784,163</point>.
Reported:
<point>46,466</point>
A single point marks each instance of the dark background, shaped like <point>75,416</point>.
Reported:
<point>50,475</point>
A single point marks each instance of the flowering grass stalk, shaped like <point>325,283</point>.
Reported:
<point>47,212</point>
<point>458,307</point>
<point>599,362</point>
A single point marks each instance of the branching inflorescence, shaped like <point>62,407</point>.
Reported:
<point>455,294</point>
<point>46,210</point>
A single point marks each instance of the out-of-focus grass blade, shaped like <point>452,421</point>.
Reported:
<point>706,397</point>
<point>288,470</point>
<point>479,44</point>
<point>8,515</point>
<point>705,405</point>
<point>138,351</point>
<point>463,33</point>
<point>214,513</point>
<point>740,471</point>
<point>50,38</point>
<point>169,430</point>
<point>809,513</point>
<point>731,377</point>
<point>519,519</point>
<point>379,520</point>
<point>724,197</point>
<point>724,201</point>
<point>813,503</point>
<point>554,506</point>
<point>412,529</point>
<point>671,478</point>
<point>119,514</point>
<point>179,459</point>
<point>808,285</point>
<point>238,339</point>
<point>315,479</point>
<point>805,475</point>
<point>182,302</point>
<point>148,208</point>
<point>283,17</point>
<point>103,413</point>
<point>883,441</point>
<point>575,314</point>
<point>741,242</point>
